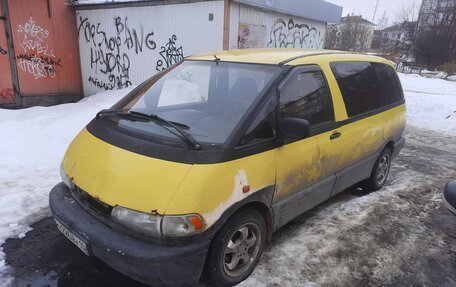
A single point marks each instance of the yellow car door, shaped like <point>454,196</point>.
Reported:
<point>305,112</point>
<point>370,92</point>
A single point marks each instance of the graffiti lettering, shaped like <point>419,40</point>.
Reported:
<point>7,96</point>
<point>2,51</point>
<point>118,82</point>
<point>291,35</point>
<point>38,59</point>
<point>44,59</point>
<point>37,68</point>
<point>109,54</point>
<point>34,37</point>
<point>109,62</point>
<point>170,54</point>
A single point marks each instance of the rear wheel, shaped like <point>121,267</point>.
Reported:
<point>380,171</point>
<point>236,249</point>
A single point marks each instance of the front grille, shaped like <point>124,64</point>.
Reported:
<point>102,212</point>
<point>86,200</point>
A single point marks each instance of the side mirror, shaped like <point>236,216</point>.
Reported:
<point>293,129</point>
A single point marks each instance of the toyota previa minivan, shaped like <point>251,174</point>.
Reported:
<point>188,176</point>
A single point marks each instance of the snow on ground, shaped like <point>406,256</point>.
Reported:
<point>36,139</point>
<point>431,103</point>
<point>315,245</point>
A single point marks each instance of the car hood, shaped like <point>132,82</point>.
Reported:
<point>120,177</point>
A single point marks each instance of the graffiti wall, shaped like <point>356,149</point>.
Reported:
<point>45,51</point>
<point>6,82</point>
<point>35,55</point>
<point>124,46</point>
<point>260,29</point>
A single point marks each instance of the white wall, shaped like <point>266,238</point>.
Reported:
<point>260,29</point>
<point>124,46</point>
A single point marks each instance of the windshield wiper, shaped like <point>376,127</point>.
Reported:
<point>134,115</point>
<point>177,126</point>
<point>156,117</point>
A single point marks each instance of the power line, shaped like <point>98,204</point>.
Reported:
<point>375,11</point>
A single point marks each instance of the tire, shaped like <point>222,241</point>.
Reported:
<point>379,172</point>
<point>236,249</point>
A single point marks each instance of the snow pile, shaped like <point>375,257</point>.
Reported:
<point>34,141</point>
<point>431,103</point>
<point>314,241</point>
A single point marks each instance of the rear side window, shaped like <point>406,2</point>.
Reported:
<point>306,96</point>
<point>367,86</point>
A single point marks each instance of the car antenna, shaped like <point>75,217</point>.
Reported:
<point>217,59</point>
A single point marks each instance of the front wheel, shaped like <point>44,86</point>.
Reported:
<point>236,249</point>
<point>380,171</point>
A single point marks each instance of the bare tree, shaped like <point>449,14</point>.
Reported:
<point>383,22</point>
<point>436,36</point>
<point>353,34</point>
<point>332,37</point>
<point>355,37</point>
<point>408,11</point>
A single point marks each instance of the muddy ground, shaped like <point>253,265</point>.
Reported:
<point>401,235</point>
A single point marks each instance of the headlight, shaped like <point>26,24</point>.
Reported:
<point>148,224</point>
<point>157,225</point>
<point>66,180</point>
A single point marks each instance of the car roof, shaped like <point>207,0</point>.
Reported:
<point>281,56</point>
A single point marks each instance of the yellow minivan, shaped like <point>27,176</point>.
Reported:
<point>189,175</point>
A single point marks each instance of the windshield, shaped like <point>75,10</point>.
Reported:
<point>207,98</point>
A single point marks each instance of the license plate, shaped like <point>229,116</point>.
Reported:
<point>73,238</point>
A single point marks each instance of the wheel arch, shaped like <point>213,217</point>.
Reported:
<point>265,211</point>
<point>260,201</point>
<point>389,144</point>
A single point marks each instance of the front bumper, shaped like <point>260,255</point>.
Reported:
<point>146,262</point>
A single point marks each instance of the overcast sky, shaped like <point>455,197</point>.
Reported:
<point>366,8</point>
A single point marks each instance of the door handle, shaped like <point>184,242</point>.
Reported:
<point>335,135</point>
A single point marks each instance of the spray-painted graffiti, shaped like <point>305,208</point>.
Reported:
<point>38,65</point>
<point>110,54</point>
<point>47,60</point>
<point>3,51</point>
<point>251,36</point>
<point>291,35</point>
<point>7,96</point>
<point>38,58</point>
<point>170,54</point>
<point>34,38</point>
<point>35,67</point>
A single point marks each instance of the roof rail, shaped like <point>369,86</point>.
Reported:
<point>313,54</point>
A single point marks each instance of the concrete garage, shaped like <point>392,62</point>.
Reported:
<point>123,43</point>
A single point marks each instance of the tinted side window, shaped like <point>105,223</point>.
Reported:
<point>306,96</point>
<point>262,127</point>
<point>366,86</point>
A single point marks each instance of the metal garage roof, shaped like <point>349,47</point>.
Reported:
<point>318,10</point>
<point>311,9</point>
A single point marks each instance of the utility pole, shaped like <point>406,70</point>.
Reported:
<point>375,11</point>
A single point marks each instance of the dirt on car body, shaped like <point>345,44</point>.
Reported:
<point>400,235</point>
